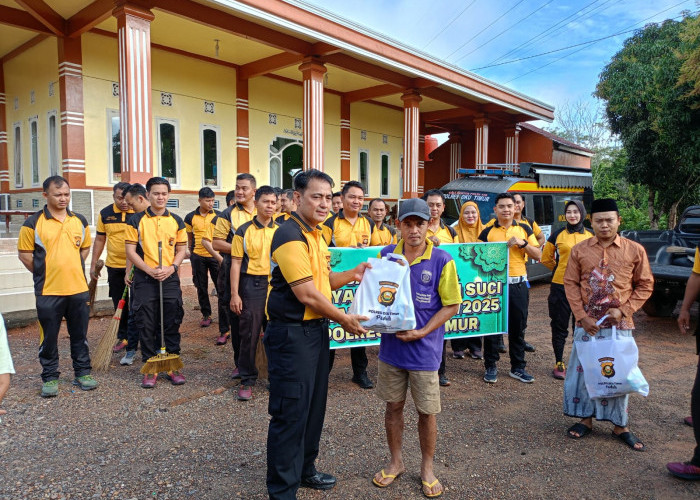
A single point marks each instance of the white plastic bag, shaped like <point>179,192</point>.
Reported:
<point>610,366</point>
<point>384,296</point>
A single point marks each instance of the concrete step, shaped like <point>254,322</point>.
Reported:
<point>23,299</point>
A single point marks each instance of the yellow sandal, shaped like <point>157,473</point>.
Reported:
<point>429,487</point>
<point>393,478</point>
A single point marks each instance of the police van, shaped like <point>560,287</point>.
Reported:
<point>546,189</point>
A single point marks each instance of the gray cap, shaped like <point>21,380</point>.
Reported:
<point>414,206</point>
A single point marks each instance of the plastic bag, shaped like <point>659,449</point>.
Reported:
<point>384,296</point>
<point>610,366</point>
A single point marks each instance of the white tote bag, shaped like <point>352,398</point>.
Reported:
<point>384,296</point>
<point>610,366</point>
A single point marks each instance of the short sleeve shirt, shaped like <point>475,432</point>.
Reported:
<point>384,236</point>
<point>199,226</point>
<point>558,248</point>
<point>146,229</point>
<point>434,284</point>
<point>111,223</point>
<point>517,256</point>
<point>58,267</point>
<point>339,232</point>
<point>299,255</point>
<point>251,244</point>
<point>226,223</point>
<point>445,234</point>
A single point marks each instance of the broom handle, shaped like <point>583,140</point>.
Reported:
<point>126,288</point>
<point>160,289</point>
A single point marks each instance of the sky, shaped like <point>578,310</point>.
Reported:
<point>477,34</point>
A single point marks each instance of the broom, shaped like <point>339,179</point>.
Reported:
<point>92,286</point>
<point>103,353</point>
<point>163,361</point>
<point>261,358</point>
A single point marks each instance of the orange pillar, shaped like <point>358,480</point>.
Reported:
<point>481,141</point>
<point>135,111</point>
<point>512,136</point>
<point>455,154</point>
<point>4,159</point>
<point>70,83</point>
<point>312,71</point>
<point>344,142</point>
<point>421,159</point>
<point>411,100</point>
<point>242,126</point>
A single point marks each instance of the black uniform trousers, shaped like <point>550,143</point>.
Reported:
<point>223,289</point>
<point>202,268</point>
<point>132,330</point>
<point>253,292</point>
<point>51,309</point>
<point>115,281</point>
<point>146,307</point>
<point>297,355</point>
<point>561,317</point>
<point>518,302</point>
<point>358,359</point>
<point>695,404</point>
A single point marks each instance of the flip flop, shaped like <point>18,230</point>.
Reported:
<point>581,429</point>
<point>429,487</point>
<point>630,440</point>
<point>393,478</point>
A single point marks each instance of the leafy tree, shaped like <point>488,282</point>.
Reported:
<point>654,118</point>
<point>689,54</point>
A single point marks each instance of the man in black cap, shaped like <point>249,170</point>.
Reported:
<point>607,279</point>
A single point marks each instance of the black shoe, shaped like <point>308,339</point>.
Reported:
<point>501,348</point>
<point>319,481</point>
<point>444,381</point>
<point>363,381</point>
<point>529,347</point>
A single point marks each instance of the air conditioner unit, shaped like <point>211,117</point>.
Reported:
<point>5,202</point>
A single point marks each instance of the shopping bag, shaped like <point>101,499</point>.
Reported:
<point>384,296</point>
<point>610,366</point>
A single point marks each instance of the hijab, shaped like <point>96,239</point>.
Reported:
<point>469,233</point>
<point>576,228</point>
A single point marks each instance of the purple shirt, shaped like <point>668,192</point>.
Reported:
<point>423,354</point>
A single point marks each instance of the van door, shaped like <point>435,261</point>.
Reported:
<point>542,210</point>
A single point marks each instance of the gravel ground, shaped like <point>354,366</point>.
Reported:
<point>196,441</point>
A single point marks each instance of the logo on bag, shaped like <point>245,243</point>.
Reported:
<point>387,292</point>
<point>607,367</point>
<point>426,276</point>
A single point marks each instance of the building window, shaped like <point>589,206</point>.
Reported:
<point>115,147</point>
<point>210,155</point>
<point>34,138</point>
<point>53,144</point>
<point>35,203</point>
<point>286,160</point>
<point>19,178</point>
<point>385,175</point>
<point>168,150</point>
<point>364,170</point>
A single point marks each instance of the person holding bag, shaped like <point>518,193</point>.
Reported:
<point>607,280</point>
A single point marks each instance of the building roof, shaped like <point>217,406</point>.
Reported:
<point>556,139</point>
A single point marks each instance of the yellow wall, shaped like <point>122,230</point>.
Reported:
<point>23,74</point>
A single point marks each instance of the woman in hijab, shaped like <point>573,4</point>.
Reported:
<point>556,256</point>
<point>468,230</point>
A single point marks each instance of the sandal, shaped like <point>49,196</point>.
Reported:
<point>581,429</point>
<point>630,440</point>
<point>428,487</point>
<point>393,478</point>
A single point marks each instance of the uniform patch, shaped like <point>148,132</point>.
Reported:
<point>426,276</point>
<point>78,240</point>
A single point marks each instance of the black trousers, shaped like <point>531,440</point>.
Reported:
<point>358,359</point>
<point>223,289</point>
<point>518,302</point>
<point>253,292</point>
<point>115,281</point>
<point>297,355</point>
<point>132,330</point>
<point>441,370</point>
<point>51,309</point>
<point>561,317</point>
<point>146,307</point>
<point>202,268</point>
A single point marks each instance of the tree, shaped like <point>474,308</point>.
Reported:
<point>689,54</point>
<point>654,117</point>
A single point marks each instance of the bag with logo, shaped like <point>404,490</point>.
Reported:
<point>384,296</point>
<point>610,366</point>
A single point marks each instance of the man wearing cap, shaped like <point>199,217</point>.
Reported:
<point>607,279</point>
<point>413,357</point>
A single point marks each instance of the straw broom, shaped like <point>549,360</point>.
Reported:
<point>92,286</point>
<point>261,358</point>
<point>163,361</point>
<point>103,353</point>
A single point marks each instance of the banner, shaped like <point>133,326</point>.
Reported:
<point>482,269</point>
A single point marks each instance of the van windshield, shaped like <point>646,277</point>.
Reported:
<point>455,199</point>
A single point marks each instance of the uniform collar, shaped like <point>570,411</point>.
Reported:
<point>151,213</point>
<point>47,213</point>
<point>239,206</point>
<point>304,226</point>
<point>424,256</point>
<point>341,214</point>
<point>260,226</point>
<point>515,223</point>
<point>198,212</point>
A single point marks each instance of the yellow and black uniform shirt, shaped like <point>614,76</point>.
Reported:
<point>558,248</point>
<point>251,244</point>
<point>385,235</point>
<point>527,221</point>
<point>55,245</point>
<point>200,227</point>
<point>146,229</point>
<point>339,232</point>
<point>283,217</point>
<point>696,265</point>
<point>299,255</point>
<point>517,257</point>
<point>226,223</point>
<point>445,233</point>
<point>111,223</point>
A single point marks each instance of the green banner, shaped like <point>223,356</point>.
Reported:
<point>483,276</point>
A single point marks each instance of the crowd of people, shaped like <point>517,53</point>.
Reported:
<point>267,254</point>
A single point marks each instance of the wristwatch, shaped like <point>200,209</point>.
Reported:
<point>177,268</point>
<point>523,245</point>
